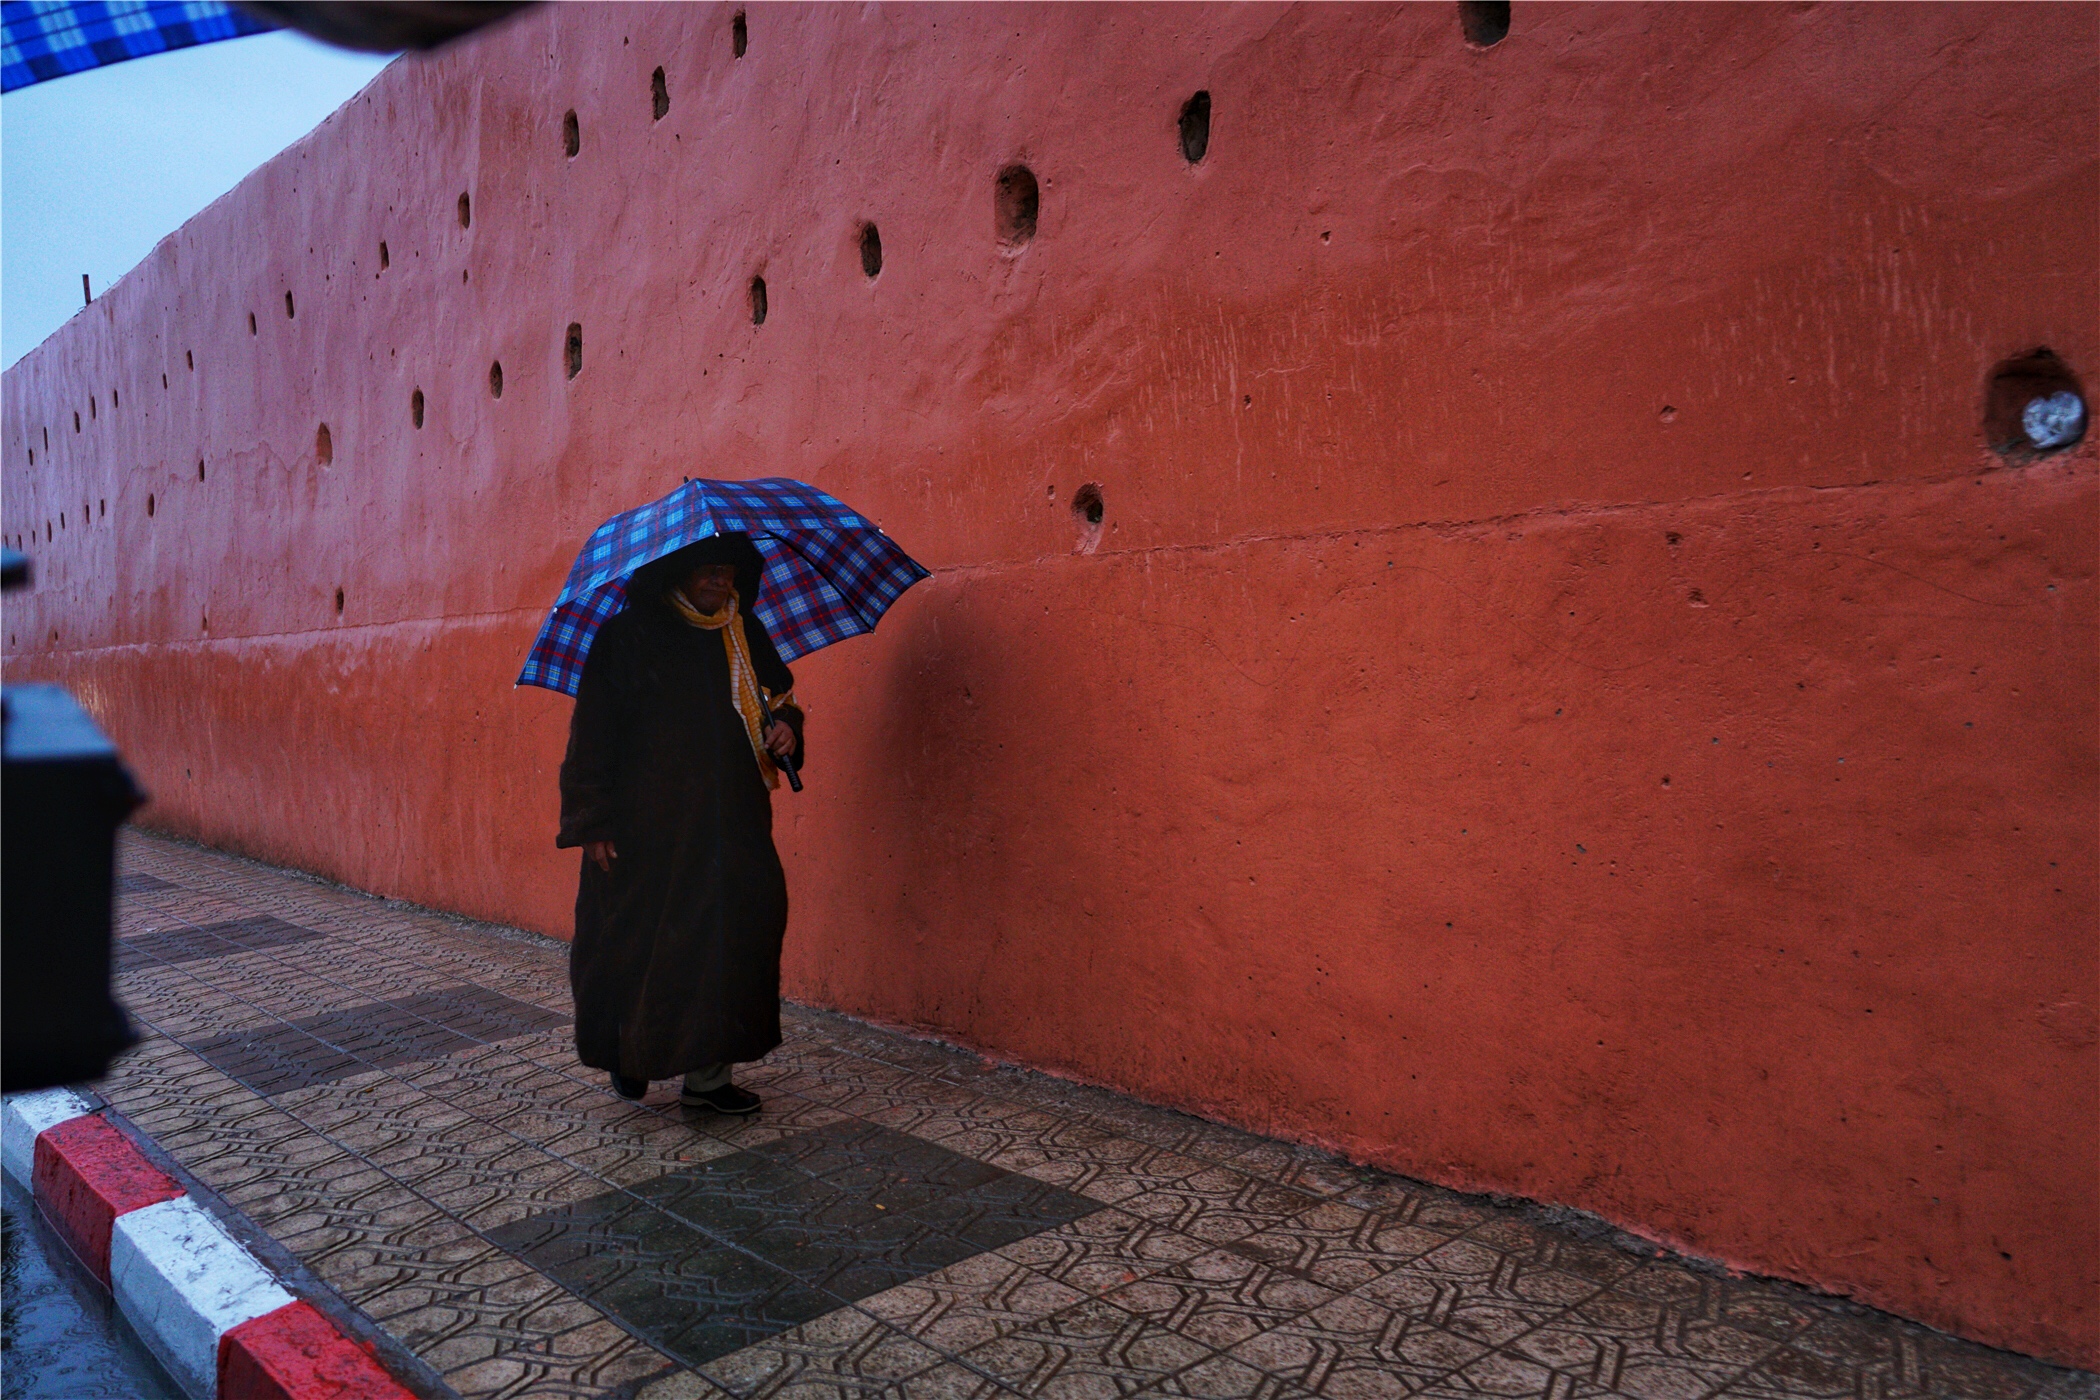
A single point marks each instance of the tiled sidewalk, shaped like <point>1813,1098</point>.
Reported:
<point>391,1093</point>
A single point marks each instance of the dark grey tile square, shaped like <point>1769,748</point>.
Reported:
<point>185,945</point>
<point>713,1257</point>
<point>143,884</point>
<point>379,1035</point>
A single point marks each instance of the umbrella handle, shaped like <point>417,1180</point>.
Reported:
<point>785,765</point>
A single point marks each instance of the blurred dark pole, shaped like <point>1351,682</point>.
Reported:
<point>63,794</point>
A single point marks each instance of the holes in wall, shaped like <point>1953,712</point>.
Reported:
<point>496,379</point>
<point>324,445</point>
<point>47,439</point>
<point>339,602</point>
<point>204,622</point>
<point>659,96</point>
<point>2033,405</point>
<point>1088,509</point>
<point>92,414</point>
<point>870,250</point>
<point>415,408</point>
<point>1485,22</point>
<point>739,35</point>
<point>164,381</point>
<point>572,349</point>
<point>149,507</point>
<point>251,323</point>
<point>758,301</point>
<point>466,210</point>
<point>386,259</point>
<point>1195,127</point>
<point>189,360</point>
<point>1015,204</point>
<point>200,469</point>
<point>32,456</point>
<point>102,509</point>
<point>76,420</point>
<point>288,312</point>
<point>113,398</point>
<point>571,134</point>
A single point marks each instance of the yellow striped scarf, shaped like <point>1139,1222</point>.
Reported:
<point>749,697</point>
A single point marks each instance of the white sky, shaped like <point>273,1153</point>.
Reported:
<point>98,167</point>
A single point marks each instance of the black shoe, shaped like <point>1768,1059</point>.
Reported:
<point>630,1089</point>
<point>727,1099</point>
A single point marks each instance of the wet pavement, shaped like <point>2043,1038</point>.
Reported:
<point>60,1338</point>
<point>391,1093</point>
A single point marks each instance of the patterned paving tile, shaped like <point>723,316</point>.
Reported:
<point>905,1220</point>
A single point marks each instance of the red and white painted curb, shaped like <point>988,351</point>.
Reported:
<point>222,1324</point>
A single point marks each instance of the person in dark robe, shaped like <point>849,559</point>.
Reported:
<point>667,787</point>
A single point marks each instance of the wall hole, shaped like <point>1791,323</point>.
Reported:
<point>1195,127</point>
<point>386,259</point>
<point>496,379</point>
<point>189,359</point>
<point>870,249</point>
<point>251,323</point>
<point>149,511</point>
<point>739,35</point>
<point>204,622</point>
<point>288,312</point>
<point>2033,405</point>
<point>572,349</point>
<point>571,134</point>
<point>339,602</point>
<point>466,211</point>
<point>415,408</point>
<point>102,508</point>
<point>1088,505</point>
<point>32,456</point>
<point>47,439</point>
<point>1015,203</point>
<point>200,469</point>
<point>76,420</point>
<point>112,398</point>
<point>324,445</point>
<point>659,95</point>
<point>164,381</point>
<point>92,414</point>
<point>1485,22</point>
<point>61,520</point>
<point>758,301</point>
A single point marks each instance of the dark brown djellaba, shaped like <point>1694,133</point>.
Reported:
<point>676,963</point>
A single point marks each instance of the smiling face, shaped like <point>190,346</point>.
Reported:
<point>708,587</point>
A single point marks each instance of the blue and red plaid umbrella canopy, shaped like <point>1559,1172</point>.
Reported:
<point>830,573</point>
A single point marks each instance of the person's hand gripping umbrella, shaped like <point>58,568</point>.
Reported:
<point>829,572</point>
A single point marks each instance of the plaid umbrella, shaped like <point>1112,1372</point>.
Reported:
<point>51,38</point>
<point>830,574</point>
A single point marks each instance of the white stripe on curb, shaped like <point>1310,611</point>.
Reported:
<point>25,1116</point>
<point>182,1282</point>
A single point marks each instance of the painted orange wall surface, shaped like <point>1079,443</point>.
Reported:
<point>1562,698</point>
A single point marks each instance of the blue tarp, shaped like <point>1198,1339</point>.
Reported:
<point>51,38</point>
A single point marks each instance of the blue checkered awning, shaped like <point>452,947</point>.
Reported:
<point>51,38</point>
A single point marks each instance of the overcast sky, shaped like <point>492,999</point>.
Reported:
<point>98,167</point>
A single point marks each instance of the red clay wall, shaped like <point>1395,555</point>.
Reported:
<point>1562,699</point>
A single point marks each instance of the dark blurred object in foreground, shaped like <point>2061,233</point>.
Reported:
<point>63,794</point>
<point>383,27</point>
